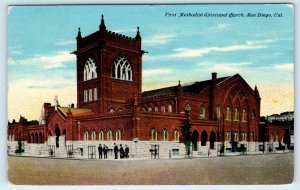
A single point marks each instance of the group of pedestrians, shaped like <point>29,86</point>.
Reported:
<point>123,153</point>
<point>102,150</point>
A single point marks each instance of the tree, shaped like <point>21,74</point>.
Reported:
<point>186,133</point>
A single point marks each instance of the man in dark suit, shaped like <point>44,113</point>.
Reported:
<point>100,151</point>
<point>126,151</point>
<point>105,151</point>
<point>116,151</point>
<point>122,153</point>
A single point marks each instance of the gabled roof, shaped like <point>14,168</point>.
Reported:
<point>198,86</point>
<point>76,111</point>
<point>194,87</point>
<point>160,91</point>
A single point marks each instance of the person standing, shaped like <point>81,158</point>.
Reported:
<point>105,151</point>
<point>116,151</point>
<point>122,153</point>
<point>126,151</point>
<point>100,151</point>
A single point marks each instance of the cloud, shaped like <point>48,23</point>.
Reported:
<point>57,60</point>
<point>151,72</point>
<point>199,52</point>
<point>16,50</point>
<point>43,82</point>
<point>227,67</point>
<point>186,52</point>
<point>285,66</point>
<point>159,39</point>
<point>65,43</point>
<point>222,26</point>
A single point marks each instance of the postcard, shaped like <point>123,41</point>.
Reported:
<point>174,94</point>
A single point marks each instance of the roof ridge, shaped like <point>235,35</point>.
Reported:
<point>160,88</point>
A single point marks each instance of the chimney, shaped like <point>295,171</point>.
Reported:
<point>212,93</point>
<point>214,76</point>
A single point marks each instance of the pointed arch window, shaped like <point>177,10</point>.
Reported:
<point>244,115</point>
<point>164,135</point>
<point>228,113</point>
<point>153,135</point>
<point>163,109</point>
<point>244,136</point>
<point>85,98</point>
<point>101,135</point>
<point>202,112</point>
<point>170,108</point>
<point>111,110</point>
<point>95,94</point>
<point>228,136</point>
<point>93,136</point>
<point>109,135</point>
<point>236,137</point>
<point>118,135</point>
<point>90,95</point>
<point>218,112</point>
<point>271,138</point>
<point>188,108</point>
<point>175,135</point>
<point>90,70</point>
<point>253,115</point>
<point>86,136</point>
<point>236,114</point>
<point>121,69</point>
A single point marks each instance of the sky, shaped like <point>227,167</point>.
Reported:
<point>260,49</point>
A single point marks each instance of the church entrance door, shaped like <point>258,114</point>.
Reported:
<point>57,134</point>
<point>195,137</point>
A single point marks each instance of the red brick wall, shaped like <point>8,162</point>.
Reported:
<point>111,92</point>
<point>276,130</point>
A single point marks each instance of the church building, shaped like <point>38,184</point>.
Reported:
<point>111,107</point>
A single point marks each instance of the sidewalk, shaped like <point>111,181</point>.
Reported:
<point>111,158</point>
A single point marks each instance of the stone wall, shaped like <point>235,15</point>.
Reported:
<point>138,149</point>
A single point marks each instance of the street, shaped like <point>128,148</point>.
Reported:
<point>248,169</point>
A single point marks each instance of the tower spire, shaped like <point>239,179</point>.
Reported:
<point>138,36</point>
<point>79,34</point>
<point>102,26</point>
<point>256,92</point>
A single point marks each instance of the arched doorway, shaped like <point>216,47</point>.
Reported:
<point>36,138</point>
<point>195,137</point>
<point>41,137</point>
<point>203,138</point>
<point>57,134</point>
<point>212,139</point>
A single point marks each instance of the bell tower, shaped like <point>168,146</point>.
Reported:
<point>109,70</point>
